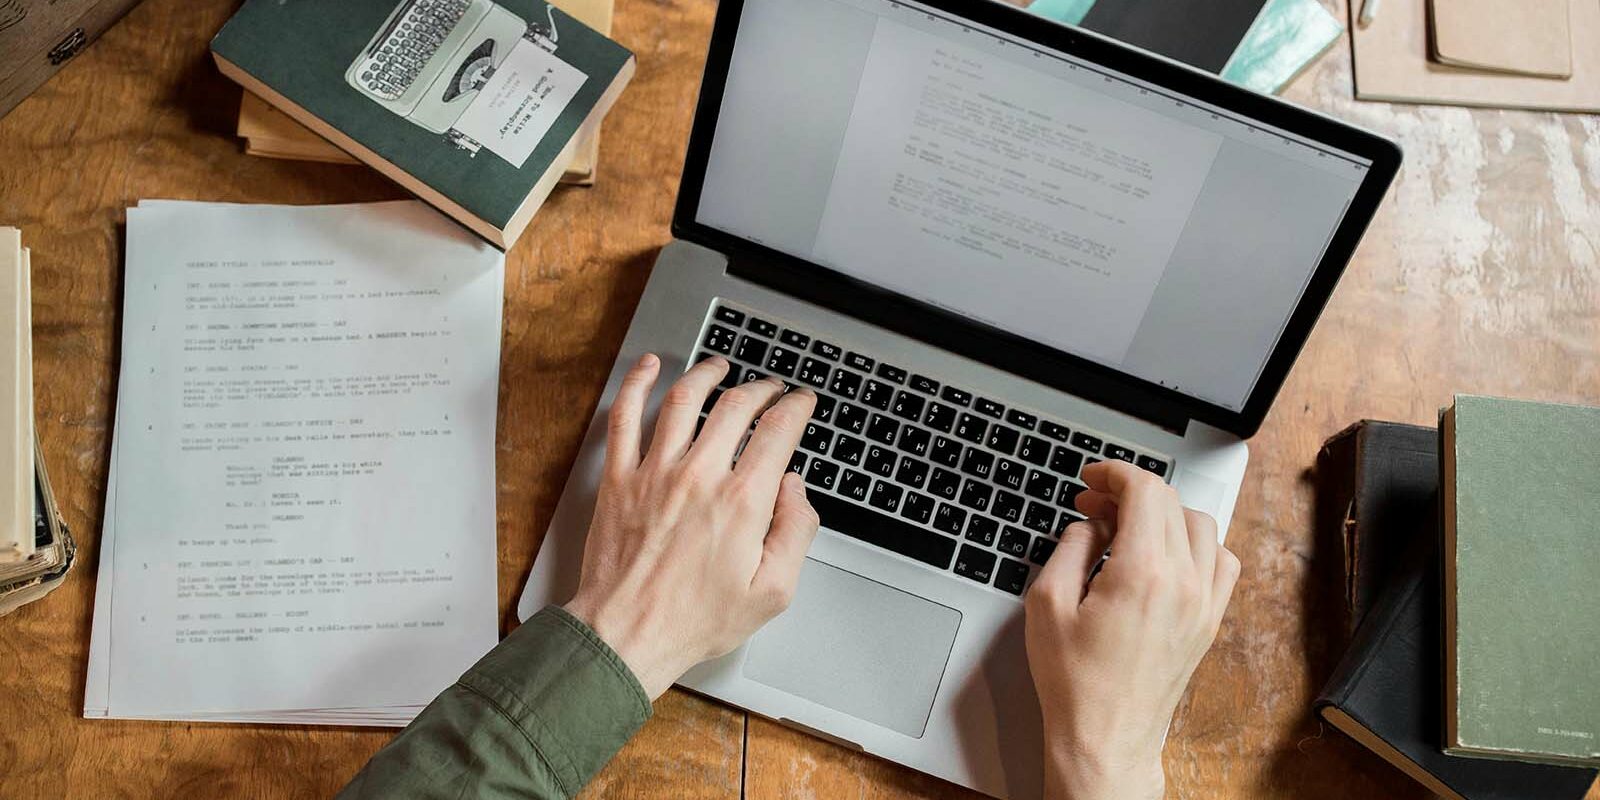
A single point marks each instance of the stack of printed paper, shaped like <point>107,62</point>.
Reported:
<point>300,516</point>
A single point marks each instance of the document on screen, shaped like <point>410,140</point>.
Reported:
<point>958,166</point>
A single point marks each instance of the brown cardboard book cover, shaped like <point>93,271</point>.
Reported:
<point>1532,37</point>
<point>1391,64</point>
<point>270,133</point>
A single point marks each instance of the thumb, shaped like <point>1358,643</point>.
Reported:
<point>1082,545</point>
<point>794,525</point>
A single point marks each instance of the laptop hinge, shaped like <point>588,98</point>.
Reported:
<point>947,331</point>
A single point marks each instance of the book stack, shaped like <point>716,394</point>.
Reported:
<point>1467,552</point>
<point>36,551</point>
<point>477,107</point>
<point>270,133</point>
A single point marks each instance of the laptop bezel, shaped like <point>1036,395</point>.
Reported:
<point>1029,358</point>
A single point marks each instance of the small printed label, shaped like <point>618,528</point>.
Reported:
<point>523,98</point>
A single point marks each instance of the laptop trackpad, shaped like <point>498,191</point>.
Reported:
<point>857,646</point>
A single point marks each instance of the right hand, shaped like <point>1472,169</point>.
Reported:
<point>1111,658</point>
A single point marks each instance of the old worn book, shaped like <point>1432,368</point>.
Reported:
<point>54,551</point>
<point>1529,37</point>
<point>1377,481</point>
<point>473,105</point>
<point>270,133</point>
<point>1521,489</point>
<point>16,401</point>
<point>39,37</point>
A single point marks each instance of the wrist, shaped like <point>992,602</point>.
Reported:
<point>1076,770</point>
<point>628,639</point>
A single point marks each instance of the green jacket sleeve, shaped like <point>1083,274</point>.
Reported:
<point>536,717</point>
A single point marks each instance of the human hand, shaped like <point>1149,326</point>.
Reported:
<point>689,554</point>
<point>1111,658</point>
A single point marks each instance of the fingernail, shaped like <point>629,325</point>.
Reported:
<point>647,360</point>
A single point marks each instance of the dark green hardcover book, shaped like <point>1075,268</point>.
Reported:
<point>1521,513</point>
<point>474,105</point>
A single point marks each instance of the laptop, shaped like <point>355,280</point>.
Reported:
<point>998,249</point>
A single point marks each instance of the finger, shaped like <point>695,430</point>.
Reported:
<point>794,526</point>
<point>1097,505</point>
<point>730,419</point>
<point>680,409</point>
<point>627,414</point>
<point>1082,545</point>
<point>1226,576</point>
<point>1143,502</point>
<point>1202,532</point>
<point>767,454</point>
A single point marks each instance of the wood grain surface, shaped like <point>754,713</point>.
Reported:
<point>1482,274</point>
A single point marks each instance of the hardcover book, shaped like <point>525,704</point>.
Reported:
<point>1521,511</point>
<point>474,105</point>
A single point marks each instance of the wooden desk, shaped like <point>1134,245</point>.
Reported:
<point>1481,274</point>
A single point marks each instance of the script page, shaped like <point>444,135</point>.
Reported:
<point>305,504</point>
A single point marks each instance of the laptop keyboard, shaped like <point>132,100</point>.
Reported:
<point>909,463</point>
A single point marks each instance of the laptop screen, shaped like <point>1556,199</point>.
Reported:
<point>1051,198</point>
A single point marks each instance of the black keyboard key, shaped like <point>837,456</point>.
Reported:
<point>858,361</point>
<point>728,315</point>
<point>975,495</point>
<point>1021,419</point>
<point>918,508</point>
<point>1117,452</point>
<point>1034,450</point>
<point>880,461</point>
<point>824,408</point>
<point>877,394</point>
<point>1041,485</point>
<point>957,396</point>
<point>720,339</point>
<point>978,464</point>
<point>1084,441</point>
<point>795,339</point>
<point>751,351</point>
<point>816,438</point>
<point>761,327</point>
<point>711,400</point>
<point>971,428</point>
<point>813,373</point>
<point>949,519</point>
<point>888,533</point>
<point>1065,462</point>
<point>1042,550</point>
<point>851,418</point>
<point>886,497</point>
<point>1091,462</point>
<point>1003,439</point>
<point>822,474</point>
<point>849,449</point>
<point>782,361</point>
<point>752,375</point>
<point>731,379</point>
<point>982,530</point>
<point>944,483</point>
<point>1054,431</point>
<point>1010,474</point>
<point>882,429</point>
<point>975,564</point>
<point>940,417</point>
<point>907,406</point>
<point>911,472</point>
<point>797,463</point>
<point>1007,506</point>
<point>1068,517</point>
<point>1154,465</point>
<point>1039,517</point>
<point>1068,493</point>
<point>828,351</point>
<point>946,451</point>
<point>891,373</point>
<point>914,441</point>
<point>854,485</point>
<point>989,408</point>
<point>924,384</point>
<point>1011,576</point>
<point>845,383</point>
<point>1014,542</point>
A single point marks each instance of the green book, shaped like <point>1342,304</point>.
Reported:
<point>1521,506</point>
<point>474,105</point>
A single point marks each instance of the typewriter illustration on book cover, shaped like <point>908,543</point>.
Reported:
<point>430,57</point>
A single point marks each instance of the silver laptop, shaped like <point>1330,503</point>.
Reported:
<point>998,249</point>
